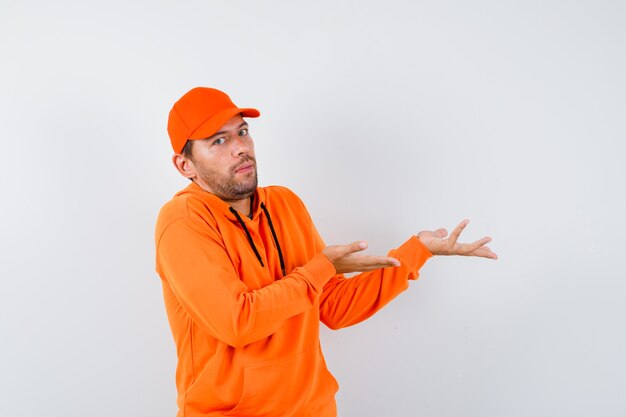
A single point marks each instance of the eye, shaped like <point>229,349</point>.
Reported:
<point>243,132</point>
<point>219,141</point>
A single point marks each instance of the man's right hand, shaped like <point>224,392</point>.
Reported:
<point>346,259</point>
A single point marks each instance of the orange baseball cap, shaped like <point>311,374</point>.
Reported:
<point>199,114</point>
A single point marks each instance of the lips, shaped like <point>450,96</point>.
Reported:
<point>245,167</point>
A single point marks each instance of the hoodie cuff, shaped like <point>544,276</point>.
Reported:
<point>413,254</point>
<point>319,270</point>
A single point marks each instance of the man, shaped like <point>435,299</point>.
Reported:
<point>247,278</point>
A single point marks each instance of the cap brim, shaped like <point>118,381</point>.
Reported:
<point>212,125</point>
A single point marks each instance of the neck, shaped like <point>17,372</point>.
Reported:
<point>242,206</point>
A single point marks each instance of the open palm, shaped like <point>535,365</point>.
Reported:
<point>439,243</point>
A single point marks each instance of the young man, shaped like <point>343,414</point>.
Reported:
<point>247,278</point>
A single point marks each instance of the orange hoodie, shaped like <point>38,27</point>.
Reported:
<point>247,336</point>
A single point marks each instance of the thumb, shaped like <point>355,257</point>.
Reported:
<point>354,247</point>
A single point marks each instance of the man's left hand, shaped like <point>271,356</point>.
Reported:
<point>439,243</point>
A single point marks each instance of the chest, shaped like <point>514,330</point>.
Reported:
<point>255,251</point>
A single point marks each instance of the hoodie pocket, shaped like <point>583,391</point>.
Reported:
<point>285,387</point>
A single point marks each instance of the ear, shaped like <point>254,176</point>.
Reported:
<point>184,166</point>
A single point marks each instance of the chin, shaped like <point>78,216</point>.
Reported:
<point>250,193</point>
<point>247,191</point>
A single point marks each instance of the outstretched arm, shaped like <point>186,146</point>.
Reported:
<point>347,301</point>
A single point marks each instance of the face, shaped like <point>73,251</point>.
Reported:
<point>224,163</point>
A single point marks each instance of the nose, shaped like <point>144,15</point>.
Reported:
<point>240,147</point>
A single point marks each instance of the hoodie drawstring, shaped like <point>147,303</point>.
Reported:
<point>253,246</point>
<point>280,252</point>
<point>245,229</point>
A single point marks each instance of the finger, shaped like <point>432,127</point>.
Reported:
<point>441,233</point>
<point>372,262</point>
<point>484,252</point>
<point>378,261</point>
<point>373,268</point>
<point>467,248</point>
<point>389,261</point>
<point>378,265</point>
<point>361,263</point>
<point>483,241</point>
<point>354,247</point>
<point>457,231</point>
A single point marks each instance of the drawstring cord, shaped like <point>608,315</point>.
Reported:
<point>245,229</point>
<point>280,252</point>
<point>253,246</point>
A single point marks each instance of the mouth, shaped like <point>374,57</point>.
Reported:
<point>245,168</point>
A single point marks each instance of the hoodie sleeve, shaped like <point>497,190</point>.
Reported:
<point>193,262</point>
<point>348,301</point>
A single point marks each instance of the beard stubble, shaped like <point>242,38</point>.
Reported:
<point>227,186</point>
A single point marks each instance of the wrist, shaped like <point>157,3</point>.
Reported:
<point>427,243</point>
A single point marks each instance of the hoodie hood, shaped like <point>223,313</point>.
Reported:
<point>220,207</point>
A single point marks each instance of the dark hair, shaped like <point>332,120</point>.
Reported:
<point>186,152</point>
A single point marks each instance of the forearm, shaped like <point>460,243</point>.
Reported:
<point>347,301</point>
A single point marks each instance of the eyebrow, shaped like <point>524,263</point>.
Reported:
<point>221,132</point>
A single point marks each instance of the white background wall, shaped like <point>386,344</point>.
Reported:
<point>387,118</point>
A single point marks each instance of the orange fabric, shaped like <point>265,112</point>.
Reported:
<point>199,114</point>
<point>247,339</point>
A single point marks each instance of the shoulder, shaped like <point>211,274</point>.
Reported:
<point>276,194</point>
<point>278,191</point>
<point>174,209</point>
<point>284,200</point>
<point>188,208</point>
